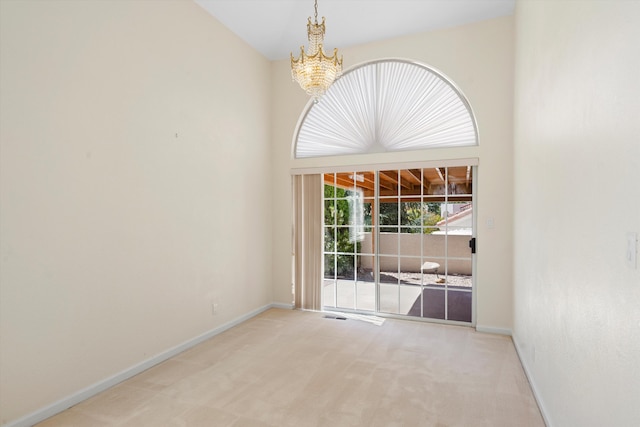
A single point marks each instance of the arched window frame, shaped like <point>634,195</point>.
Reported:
<point>386,105</point>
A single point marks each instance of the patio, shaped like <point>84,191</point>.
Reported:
<point>400,293</point>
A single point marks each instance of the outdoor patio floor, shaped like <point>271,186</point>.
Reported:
<point>399,297</point>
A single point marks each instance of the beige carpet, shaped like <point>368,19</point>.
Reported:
<point>292,368</point>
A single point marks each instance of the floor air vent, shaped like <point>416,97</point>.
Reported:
<point>330,316</point>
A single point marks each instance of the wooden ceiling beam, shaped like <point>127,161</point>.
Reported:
<point>389,177</point>
<point>348,183</point>
<point>410,179</point>
<point>411,175</point>
<point>393,179</point>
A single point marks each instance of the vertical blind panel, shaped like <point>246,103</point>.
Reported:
<point>387,105</point>
<point>307,241</point>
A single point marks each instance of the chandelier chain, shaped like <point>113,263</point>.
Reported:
<point>316,8</point>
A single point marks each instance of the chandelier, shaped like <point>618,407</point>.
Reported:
<point>315,71</point>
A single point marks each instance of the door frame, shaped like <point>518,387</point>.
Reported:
<point>473,162</point>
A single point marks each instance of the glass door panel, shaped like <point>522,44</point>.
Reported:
<point>434,303</point>
<point>410,297</point>
<point>350,236</point>
<point>459,305</point>
<point>389,298</point>
<point>345,294</point>
<point>388,269</point>
<point>365,283</point>
<point>397,242</point>
<point>411,182</point>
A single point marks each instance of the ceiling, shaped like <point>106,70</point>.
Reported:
<point>277,27</point>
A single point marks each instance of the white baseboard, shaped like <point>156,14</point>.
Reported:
<point>532,383</point>
<point>84,394</point>
<point>492,330</point>
<point>281,305</point>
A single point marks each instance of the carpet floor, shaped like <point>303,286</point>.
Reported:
<point>293,368</point>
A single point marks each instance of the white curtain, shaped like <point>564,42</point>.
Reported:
<point>307,241</point>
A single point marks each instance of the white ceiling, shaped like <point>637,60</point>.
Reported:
<point>277,27</point>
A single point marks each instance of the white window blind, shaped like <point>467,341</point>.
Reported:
<point>386,105</point>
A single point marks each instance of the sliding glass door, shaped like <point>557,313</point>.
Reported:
<point>397,241</point>
<point>349,254</point>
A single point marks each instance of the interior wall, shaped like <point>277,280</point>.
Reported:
<point>479,59</point>
<point>134,150</point>
<point>577,194</point>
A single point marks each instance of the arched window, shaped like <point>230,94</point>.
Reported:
<point>386,105</point>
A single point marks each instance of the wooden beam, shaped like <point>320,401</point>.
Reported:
<point>394,179</point>
<point>388,177</point>
<point>366,184</point>
<point>410,175</point>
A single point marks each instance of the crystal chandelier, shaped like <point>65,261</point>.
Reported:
<point>315,71</point>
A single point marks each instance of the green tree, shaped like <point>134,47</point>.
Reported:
<point>434,208</point>
<point>338,236</point>
<point>412,216</point>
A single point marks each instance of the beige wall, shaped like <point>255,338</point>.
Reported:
<point>577,187</point>
<point>133,188</point>
<point>479,59</point>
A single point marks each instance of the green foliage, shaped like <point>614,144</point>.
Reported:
<point>429,220</point>
<point>338,236</point>
<point>412,216</point>
<point>434,208</point>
